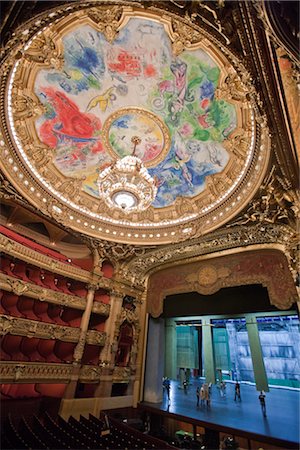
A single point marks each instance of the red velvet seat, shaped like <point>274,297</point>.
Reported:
<point>64,350</point>
<point>78,288</point>
<point>102,296</point>
<point>20,270</point>
<point>10,304</point>
<point>29,347</point>
<point>41,311</point>
<point>3,355</point>
<point>48,280</point>
<point>34,275</point>
<point>91,354</point>
<point>12,346</point>
<point>72,317</point>
<point>25,306</point>
<point>6,266</point>
<point>45,348</point>
<point>62,285</point>
<point>54,312</point>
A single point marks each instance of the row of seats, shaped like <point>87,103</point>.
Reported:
<point>89,433</point>
<point>40,277</point>
<point>31,349</point>
<point>43,311</point>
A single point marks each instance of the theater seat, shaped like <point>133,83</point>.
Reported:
<point>25,306</point>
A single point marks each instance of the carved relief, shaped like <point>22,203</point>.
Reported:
<point>121,374</point>
<point>107,20</point>
<point>184,36</point>
<point>44,51</point>
<point>12,371</point>
<point>96,337</point>
<point>30,328</point>
<point>24,107</point>
<point>90,373</point>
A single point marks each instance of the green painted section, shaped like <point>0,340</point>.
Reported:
<point>260,374</point>
<point>170,349</point>
<point>187,347</point>
<point>208,351</point>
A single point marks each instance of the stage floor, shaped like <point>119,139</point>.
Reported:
<point>282,405</point>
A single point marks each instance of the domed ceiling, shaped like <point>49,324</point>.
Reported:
<point>81,89</point>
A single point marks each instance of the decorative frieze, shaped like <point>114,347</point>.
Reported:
<point>121,374</point>
<point>24,253</point>
<point>33,328</point>
<point>20,287</point>
<point>96,337</point>
<point>34,372</point>
<point>90,373</point>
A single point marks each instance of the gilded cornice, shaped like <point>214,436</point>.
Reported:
<point>20,287</point>
<point>237,237</point>
<point>32,328</point>
<point>24,253</point>
<point>33,372</point>
<point>90,373</point>
<point>17,250</point>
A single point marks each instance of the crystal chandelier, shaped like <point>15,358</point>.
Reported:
<point>126,184</point>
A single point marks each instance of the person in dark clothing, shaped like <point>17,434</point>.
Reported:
<point>198,395</point>
<point>237,391</point>
<point>262,400</point>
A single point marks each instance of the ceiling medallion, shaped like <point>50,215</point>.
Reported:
<point>126,184</point>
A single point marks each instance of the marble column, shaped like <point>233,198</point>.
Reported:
<point>259,370</point>
<point>155,361</point>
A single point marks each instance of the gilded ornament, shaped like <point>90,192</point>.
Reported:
<point>44,51</point>
<point>207,275</point>
<point>107,20</point>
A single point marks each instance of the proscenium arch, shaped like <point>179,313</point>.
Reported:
<point>266,267</point>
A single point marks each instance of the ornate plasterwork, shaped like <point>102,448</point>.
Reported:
<point>19,287</point>
<point>121,374</point>
<point>90,373</point>
<point>32,372</point>
<point>237,236</point>
<point>267,267</point>
<point>226,194</point>
<point>42,330</point>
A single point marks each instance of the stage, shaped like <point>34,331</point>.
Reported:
<point>240,418</point>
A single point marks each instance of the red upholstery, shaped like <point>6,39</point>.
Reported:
<point>29,347</point>
<point>20,270</point>
<point>34,275</point>
<point>25,306</point>
<point>6,264</point>
<point>72,317</point>
<point>91,354</point>
<point>107,269</point>
<point>45,348</point>
<point>51,390</point>
<point>10,304</point>
<point>41,311</point>
<point>102,296</point>
<point>48,280</point>
<point>62,285</point>
<point>3,355</point>
<point>54,312</point>
<point>12,346</point>
<point>25,241</point>
<point>19,390</point>
<point>64,351</point>
<point>78,288</point>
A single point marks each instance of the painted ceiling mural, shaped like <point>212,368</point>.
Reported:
<point>106,93</point>
<point>98,84</point>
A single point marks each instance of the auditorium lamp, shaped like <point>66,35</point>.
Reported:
<point>126,184</point>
